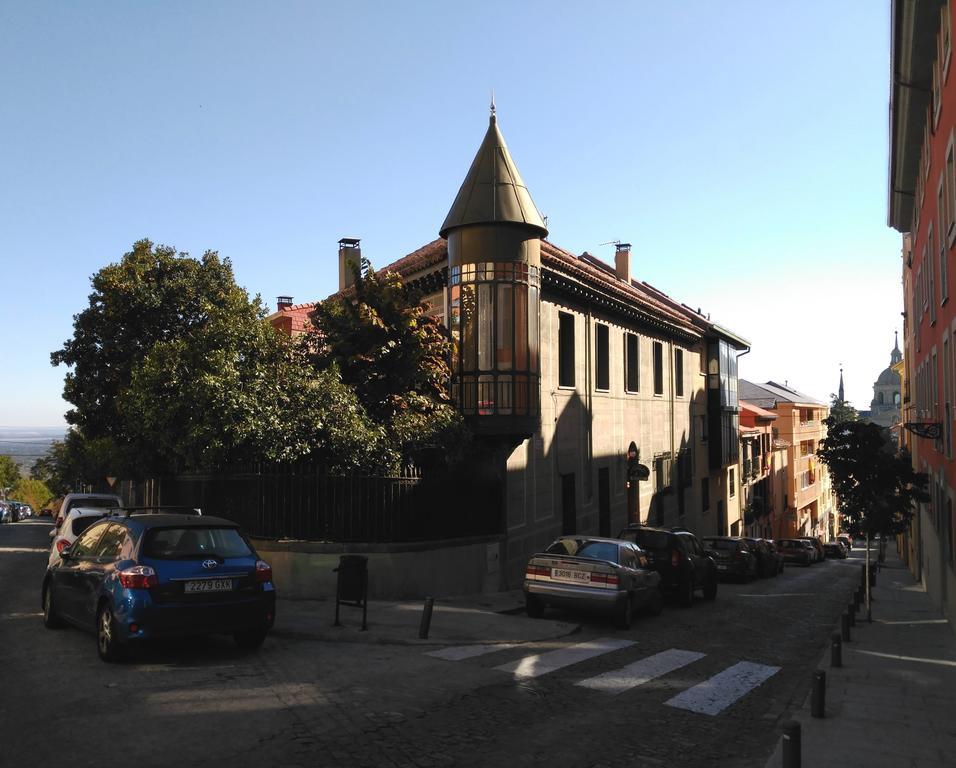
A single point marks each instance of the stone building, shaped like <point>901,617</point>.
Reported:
<point>563,364</point>
<point>887,393</point>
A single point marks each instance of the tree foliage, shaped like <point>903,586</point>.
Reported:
<point>395,357</point>
<point>841,410</point>
<point>31,491</point>
<point>174,367</point>
<point>876,487</point>
<point>9,472</point>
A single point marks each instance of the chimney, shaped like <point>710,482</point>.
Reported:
<point>622,262</point>
<point>283,302</point>
<point>349,254</point>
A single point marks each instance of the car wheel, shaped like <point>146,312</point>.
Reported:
<point>534,606</point>
<point>251,639</point>
<point>108,644</point>
<point>626,617</point>
<point>686,592</point>
<point>50,619</point>
<point>710,589</point>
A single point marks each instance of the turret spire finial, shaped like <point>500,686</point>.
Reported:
<point>494,117</point>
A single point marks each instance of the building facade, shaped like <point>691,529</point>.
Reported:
<point>564,365</point>
<point>922,206</point>
<point>808,502</point>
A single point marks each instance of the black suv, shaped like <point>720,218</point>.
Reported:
<point>679,558</point>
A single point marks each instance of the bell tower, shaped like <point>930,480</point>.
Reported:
<point>494,234</point>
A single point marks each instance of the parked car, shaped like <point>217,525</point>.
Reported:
<point>732,555</point>
<point>77,520</point>
<point>5,516</point>
<point>835,548</point>
<point>131,578</point>
<point>796,551</point>
<point>769,562</point>
<point>677,555</point>
<point>847,540</point>
<point>817,545</point>
<point>88,500</point>
<point>46,512</point>
<point>586,572</point>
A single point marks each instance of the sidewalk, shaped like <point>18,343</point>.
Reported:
<point>892,703</point>
<point>488,619</point>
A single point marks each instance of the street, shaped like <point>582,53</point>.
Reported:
<point>307,702</point>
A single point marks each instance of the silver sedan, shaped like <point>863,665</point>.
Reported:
<point>587,572</point>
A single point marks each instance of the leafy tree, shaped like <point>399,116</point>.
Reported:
<point>75,461</point>
<point>9,472</point>
<point>32,492</point>
<point>841,410</point>
<point>875,486</point>
<point>395,357</point>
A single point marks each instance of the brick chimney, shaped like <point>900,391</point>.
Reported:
<point>283,302</point>
<point>622,262</point>
<point>349,254</point>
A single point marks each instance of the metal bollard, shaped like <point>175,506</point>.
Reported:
<point>791,744</point>
<point>818,699</point>
<point>836,650</point>
<point>845,627</point>
<point>426,618</point>
<point>851,612</point>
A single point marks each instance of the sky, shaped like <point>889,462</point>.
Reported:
<point>740,147</point>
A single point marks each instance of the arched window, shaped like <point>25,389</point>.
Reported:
<point>879,398</point>
<point>896,398</point>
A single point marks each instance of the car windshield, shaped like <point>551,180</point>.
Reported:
<point>194,543</point>
<point>80,524</point>
<point>596,550</point>
<point>651,539</point>
<point>721,544</point>
<point>94,503</point>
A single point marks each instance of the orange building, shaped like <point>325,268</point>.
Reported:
<point>763,463</point>
<point>922,206</point>
<point>807,501</point>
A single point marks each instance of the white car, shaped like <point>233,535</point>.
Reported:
<point>77,513</point>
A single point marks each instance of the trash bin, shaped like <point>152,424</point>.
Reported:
<point>351,587</point>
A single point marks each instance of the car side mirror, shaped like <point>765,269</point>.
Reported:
<point>65,553</point>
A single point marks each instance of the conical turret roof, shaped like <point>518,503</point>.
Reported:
<point>493,191</point>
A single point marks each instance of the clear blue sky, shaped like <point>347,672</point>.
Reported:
<point>741,147</point>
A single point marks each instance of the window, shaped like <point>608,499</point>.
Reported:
<point>941,245</point>
<point>86,544</point>
<point>930,297</point>
<point>732,482</point>
<point>679,372</point>
<point>937,101</point>
<point>565,350</point>
<point>631,363</point>
<point>194,543</point>
<point>602,358</point>
<point>662,472</point>
<point>111,542</point>
<point>658,368</point>
<point>945,44</point>
<point>950,193</point>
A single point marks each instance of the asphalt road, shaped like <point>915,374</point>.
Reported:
<point>703,686</point>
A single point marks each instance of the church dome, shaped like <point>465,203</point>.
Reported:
<point>889,376</point>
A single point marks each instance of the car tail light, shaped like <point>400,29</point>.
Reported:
<point>741,555</point>
<point>537,570</point>
<point>611,579</point>
<point>138,577</point>
<point>675,558</point>
<point>61,544</point>
<point>263,571</point>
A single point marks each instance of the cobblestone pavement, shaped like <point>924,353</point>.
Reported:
<point>301,702</point>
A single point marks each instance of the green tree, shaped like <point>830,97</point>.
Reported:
<point>175,368</point>
<point>395,356</point>
<point>32,492</point>
<point>841,410</point>
<point>9,472</point>
<point>876,487</point>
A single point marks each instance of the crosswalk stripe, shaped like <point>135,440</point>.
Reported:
<point>716,694</point>
<point>640,672</point>
<point>543,663</point>
<point>459,652</point>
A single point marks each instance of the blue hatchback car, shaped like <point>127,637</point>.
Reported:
<point>151,573</point>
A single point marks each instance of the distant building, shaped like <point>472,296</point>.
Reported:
<point>808,504</point>
<point>887,393</point>
<point>563,365</point>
